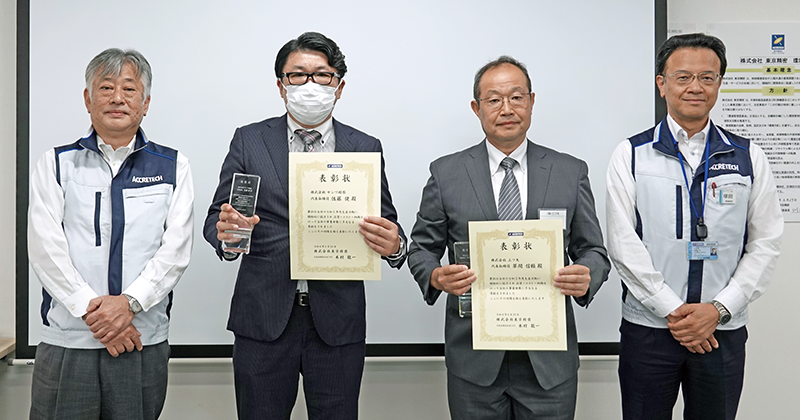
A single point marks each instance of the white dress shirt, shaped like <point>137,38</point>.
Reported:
<point>693,149</point>
<point>326,144</point>
<point>520,171</point>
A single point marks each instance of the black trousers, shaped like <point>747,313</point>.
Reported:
<point>266,374</point>
<point>653,365</point>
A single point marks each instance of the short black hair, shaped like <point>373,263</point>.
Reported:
<point>698,40</point>
<point>503,59</point>
<point>312,41</point>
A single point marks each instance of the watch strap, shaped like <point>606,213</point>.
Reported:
<point>724,314</point>
<point>133,303</point>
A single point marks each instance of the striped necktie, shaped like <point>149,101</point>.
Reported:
<point>308,137</point>
<point>509,205</point>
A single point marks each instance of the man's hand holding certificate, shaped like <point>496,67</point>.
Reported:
<point>335,228</point>
<point>516,303</point>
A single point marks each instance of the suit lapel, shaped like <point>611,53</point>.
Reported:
<point>539,169</point>
<point>481,179</point>
<point>344,141</point>
<point>276,141</point>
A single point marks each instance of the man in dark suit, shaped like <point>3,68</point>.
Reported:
<point>283,327</point>
<point>467,186</point>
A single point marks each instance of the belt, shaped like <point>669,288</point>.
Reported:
<point>301,299</point>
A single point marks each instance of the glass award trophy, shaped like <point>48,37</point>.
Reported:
<point>244,191</point>
<point>461,251</point>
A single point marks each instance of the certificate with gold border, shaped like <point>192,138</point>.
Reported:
<point>329,194</point>
<point>514,303</point>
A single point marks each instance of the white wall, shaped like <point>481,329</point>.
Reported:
<point>394,389</point>
<point>199,121</point>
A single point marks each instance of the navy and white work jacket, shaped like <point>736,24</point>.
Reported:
<point>93,233</point>
<point>651,223</point>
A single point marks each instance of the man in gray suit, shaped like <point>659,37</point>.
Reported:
<point>466,186</point>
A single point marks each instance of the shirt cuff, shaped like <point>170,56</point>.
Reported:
<point>77,303</point>
<point>141,290</point>
<point>663,302</point>
<point>732,298</point>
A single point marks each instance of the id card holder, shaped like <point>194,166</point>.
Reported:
<point>461,253</point>
<point>727,197</point>
<point>702,250</point>
<point>557,214</point>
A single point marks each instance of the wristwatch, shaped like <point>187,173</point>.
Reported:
<point>135,307</point>
<point>400,251</point>
<point>724,315</point>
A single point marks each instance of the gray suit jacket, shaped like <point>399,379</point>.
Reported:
<point>459,190</point>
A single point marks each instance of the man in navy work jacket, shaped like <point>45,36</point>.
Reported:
<point>283,327</point>
<point>109,234</point>
<point>694,230</point>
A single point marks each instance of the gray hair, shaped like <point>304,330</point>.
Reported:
<point>503,59</point>
<point>110,63</point>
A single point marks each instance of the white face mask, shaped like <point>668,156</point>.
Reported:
<point>311,103</point>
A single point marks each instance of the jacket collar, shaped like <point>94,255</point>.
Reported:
<point>664,141</point>
<point>89,141</point>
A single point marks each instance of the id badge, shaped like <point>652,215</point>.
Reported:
<point>557,214</point>
<point>727,197</point>
<point>702,250</point>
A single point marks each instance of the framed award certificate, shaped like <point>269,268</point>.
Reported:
<point>329,194</point>
<point>514,303</point>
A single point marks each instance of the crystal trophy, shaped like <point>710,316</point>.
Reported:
<point>244,191</point>
<point>461,252</point>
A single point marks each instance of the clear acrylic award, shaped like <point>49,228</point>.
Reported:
<point>244,192</point>
<point>461,251</point>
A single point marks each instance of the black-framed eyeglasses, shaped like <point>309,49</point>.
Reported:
<point>684,78</point>
<point>301,78</point>
<point>516,100</point>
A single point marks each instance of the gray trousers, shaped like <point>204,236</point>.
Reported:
<point>514,395</point>
<point>84,384</point>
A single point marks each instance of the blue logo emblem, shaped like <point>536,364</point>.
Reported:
<point>778,42</point>
<point>516,234</point>
<point>335,165</point>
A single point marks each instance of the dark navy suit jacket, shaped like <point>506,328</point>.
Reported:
<point>264,292</point>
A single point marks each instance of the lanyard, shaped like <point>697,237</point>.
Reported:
<point>700,229</point>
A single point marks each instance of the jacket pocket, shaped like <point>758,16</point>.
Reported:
<point>678,212</point>
<point>98,199</point>
<point>146,210</point>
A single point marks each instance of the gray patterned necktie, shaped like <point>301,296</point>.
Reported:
<point>509,205</point>
<point>308,137</point>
